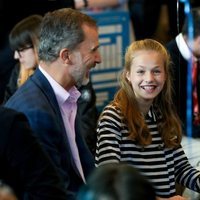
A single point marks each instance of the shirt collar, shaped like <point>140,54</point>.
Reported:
<point>74,94</point>
<point>183,47</point>
<point>151,114</point>
<point>62,95</point>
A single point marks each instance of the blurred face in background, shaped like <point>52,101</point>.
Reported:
<point>6,193</point>
<point>27,57</point>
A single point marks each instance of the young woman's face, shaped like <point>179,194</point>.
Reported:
<point>27,57</point>
<point>147,75</point>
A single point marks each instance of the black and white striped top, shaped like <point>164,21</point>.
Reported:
<point>161,165</point>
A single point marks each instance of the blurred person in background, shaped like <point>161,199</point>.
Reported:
<point>117,182</point>
<point>184,50</point>
<point>99,5</point>
<point>6,192</point>
<point>10,14</point>
<point>23,39</point>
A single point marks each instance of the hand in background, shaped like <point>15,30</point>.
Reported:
<point>177,197</point>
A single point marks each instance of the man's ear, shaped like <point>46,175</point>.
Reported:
<point>64,55</point>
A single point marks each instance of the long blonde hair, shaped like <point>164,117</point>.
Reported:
<point>170,125</point>
<point>24,74</point>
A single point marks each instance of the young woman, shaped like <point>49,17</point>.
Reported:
<point>141,127</point>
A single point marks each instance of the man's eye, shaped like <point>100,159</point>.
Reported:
<point>157,72</point>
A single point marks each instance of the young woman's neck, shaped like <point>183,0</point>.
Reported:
<point>144,106</point>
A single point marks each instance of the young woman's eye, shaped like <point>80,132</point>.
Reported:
<point>140,71</point>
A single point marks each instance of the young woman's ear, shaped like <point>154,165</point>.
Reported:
<point>127,74</point>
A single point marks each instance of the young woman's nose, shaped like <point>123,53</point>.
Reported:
<point>149,76</point>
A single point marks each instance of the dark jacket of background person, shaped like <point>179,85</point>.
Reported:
<point>87,115</point>
<point>11,87</point>
<point>24,166</point>
<point>38,87</point>
<point>180,71</point>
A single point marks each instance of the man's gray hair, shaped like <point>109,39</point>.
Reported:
<point>62,28</point>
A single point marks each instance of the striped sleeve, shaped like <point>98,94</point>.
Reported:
<point>185,173</point>
<point>108,137</point>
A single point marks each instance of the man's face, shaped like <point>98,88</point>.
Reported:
<point>86,55</point>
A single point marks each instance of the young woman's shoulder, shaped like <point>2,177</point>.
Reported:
<point>112,109</point>
<point>112,113</point>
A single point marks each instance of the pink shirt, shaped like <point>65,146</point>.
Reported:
<point>67,101</point>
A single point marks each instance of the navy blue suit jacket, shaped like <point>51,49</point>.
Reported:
<point>37,101</point>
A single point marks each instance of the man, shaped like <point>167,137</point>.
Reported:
<point>68,49</point>
<point>25,166</point>
<point>182,51</point>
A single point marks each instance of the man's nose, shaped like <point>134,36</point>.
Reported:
<point>98,58</point>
